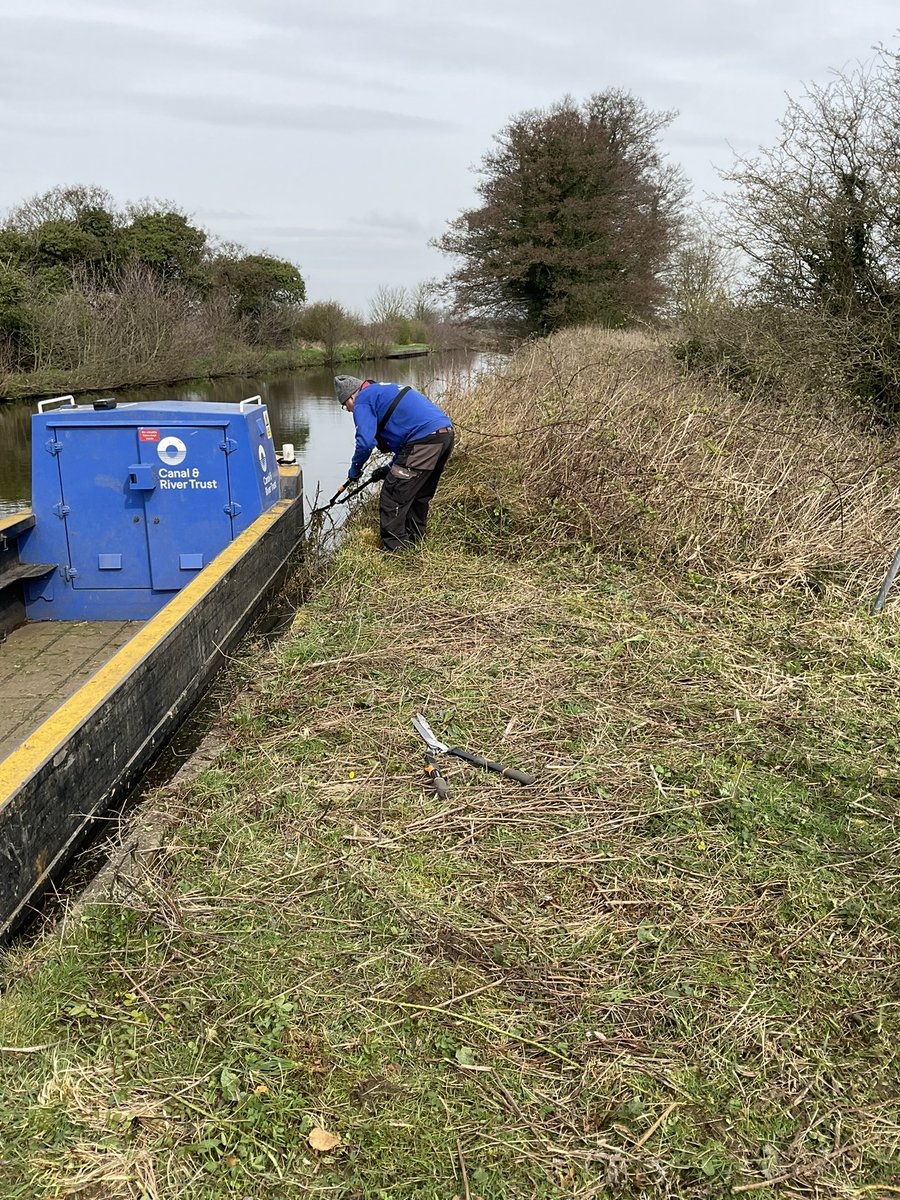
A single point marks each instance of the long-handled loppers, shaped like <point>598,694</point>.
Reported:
<point>342,495</point>
<point>437,747</point>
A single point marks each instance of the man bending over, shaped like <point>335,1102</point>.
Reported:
<point>405,423</point>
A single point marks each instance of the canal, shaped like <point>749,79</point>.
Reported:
<point>301,405</point>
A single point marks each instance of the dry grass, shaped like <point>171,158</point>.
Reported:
<point>603,438</point>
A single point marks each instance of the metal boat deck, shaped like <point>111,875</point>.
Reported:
<point>42,663</point>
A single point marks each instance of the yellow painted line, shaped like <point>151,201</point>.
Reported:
<point>14,519</point>
<point>46,740</point>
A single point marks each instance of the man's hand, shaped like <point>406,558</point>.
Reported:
<point>351,479</point>
<point>380,473</point>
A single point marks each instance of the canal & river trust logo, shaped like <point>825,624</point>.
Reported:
<point>172,451</point>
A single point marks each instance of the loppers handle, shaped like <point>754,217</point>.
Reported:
<point>519,776</point>
<point>439,783</point>
<point>478,761</point>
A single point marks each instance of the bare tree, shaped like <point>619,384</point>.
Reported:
<point>816,218</point>
<point>816,213</point>
<point>64,203</point>
<point>424,304</point>
<point>328,323</point>
<point>702,274</point>
<point>389,304</point>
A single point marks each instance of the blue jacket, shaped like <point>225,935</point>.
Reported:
<point>414,417</point>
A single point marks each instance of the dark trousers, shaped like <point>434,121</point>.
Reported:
<point>409,488</point>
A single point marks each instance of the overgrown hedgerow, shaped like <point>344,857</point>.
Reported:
<point>605,440</point>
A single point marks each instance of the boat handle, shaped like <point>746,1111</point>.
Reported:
<point>250,400</point>
<point>42,404</point>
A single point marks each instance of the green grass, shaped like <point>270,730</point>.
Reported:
<point>106,376</point>
<point>668,969</point>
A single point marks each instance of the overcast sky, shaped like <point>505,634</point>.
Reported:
<point>342,134</point>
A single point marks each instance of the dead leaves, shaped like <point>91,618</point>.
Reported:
<point>322,1141</point>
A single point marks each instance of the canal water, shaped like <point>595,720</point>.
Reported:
<point>301,405</point>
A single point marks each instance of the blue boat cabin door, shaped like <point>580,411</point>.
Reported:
<point>143,508</point>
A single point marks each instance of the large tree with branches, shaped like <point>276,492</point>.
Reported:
<point>578,218</point>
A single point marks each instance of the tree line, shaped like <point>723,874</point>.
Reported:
<point>84,282</point>
<point>96,295</point>
<point>794,282</point>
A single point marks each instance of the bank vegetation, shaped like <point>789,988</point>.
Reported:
<point>667,969</point>
<point>97,296</point>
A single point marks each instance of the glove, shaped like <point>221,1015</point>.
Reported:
<point>351,479</point>
<point>380,473</point>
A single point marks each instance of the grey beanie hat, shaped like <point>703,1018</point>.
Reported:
<point>345,386</point>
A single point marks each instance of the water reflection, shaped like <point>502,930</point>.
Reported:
<point>302,409</point>
<point>15,457</point>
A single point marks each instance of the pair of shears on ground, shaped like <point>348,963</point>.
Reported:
<point>436,746</point>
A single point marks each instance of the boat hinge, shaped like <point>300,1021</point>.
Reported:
<point>61,509</point>
<point>233,508</point>
<point>229,445</point>
<point>68,573</point>
<point>53,446</point>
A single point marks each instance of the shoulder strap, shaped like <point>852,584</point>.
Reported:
<point>387,416</point>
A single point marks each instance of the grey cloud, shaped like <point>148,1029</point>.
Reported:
<point>216,214</point>
<point>392,223</point>
<point>281,41</point>
<point>429,41</point>
<point>347,234</point>
<point>707,141</point>
<point>77,45</point>
<point>320,118</point>
<point>109,59</point>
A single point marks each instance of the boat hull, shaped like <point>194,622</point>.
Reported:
<point>90,752</point>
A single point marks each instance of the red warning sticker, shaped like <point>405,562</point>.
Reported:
<point>148,435</point>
